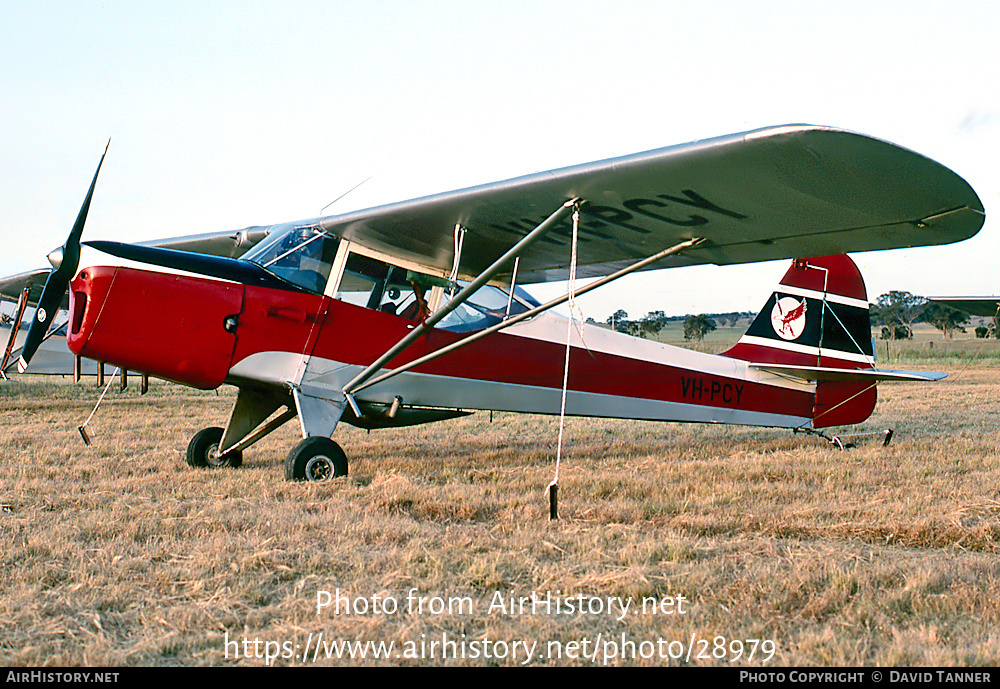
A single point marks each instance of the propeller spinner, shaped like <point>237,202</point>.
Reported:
<point>65,261</point>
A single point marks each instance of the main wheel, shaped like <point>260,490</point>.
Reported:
<point>203,450</point>
<point>315,459</point>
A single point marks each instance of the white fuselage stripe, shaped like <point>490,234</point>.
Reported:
<point>551,327</point>
<point>820,296</point>
<point>89,257</point>
<point>806,349</point>
<point>419,389</point>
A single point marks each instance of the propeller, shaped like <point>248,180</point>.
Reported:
<point>65,260</point>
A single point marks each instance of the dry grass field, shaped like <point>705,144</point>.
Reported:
<point>758,547</point>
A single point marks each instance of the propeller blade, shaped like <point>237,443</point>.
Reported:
<point>64,268</point>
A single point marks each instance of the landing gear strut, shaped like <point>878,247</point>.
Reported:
<point>203,450</point>
<point>315,459</point>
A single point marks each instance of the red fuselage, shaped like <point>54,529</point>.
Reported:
<point>175,327</point>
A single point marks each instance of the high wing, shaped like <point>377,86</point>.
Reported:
<point>231,244</point>
<point>977,306</point>
<point>772,193</point>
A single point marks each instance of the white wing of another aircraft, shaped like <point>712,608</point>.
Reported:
<point>977,306</point>
<point>231,244</point>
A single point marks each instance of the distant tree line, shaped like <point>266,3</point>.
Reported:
<point>896,312</point>
<point>695,326</point>
<point>647,326</point>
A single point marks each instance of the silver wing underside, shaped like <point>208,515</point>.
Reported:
<point>782,192</point>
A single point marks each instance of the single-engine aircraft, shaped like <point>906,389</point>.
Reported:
<point>414,312</point>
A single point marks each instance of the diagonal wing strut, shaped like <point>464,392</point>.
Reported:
<point>458,300</point>
<point>639,265</point>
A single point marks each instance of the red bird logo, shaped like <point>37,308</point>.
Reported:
<point>788,317</point>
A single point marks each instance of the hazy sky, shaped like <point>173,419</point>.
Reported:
<point>225,115</point>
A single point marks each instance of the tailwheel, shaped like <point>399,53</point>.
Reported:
<point>203,450</point>
<point>315,459</point>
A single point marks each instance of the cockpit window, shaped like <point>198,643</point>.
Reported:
<point>487,306</point>
<point>374,284</point>
<point>300,255</point>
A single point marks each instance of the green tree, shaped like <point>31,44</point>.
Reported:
<point>617,318</point>
<point>696,327</point>
<point>652,323</point>
<point>945,319</point>
<point>897,332</point>
<point>897,311</point>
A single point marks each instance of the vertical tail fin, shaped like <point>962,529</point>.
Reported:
<point>818,316</point>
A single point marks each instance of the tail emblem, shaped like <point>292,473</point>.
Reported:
<point>788,317</point>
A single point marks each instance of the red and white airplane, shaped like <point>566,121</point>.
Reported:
<point>413,312</point>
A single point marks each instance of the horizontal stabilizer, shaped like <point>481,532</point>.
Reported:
<point>823,373</point>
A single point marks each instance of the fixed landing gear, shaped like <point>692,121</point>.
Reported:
<point>315,459</point>
<point>203,450</point>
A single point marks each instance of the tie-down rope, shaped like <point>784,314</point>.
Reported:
<point>571,292</point>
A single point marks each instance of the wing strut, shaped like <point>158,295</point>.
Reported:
<point>677,248</point>
<point>513,283</point>
<point>458,300</point>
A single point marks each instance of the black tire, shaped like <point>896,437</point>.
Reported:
<point>315,459</point>
<point>204,446</point>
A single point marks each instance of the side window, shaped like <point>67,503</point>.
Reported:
<point>363,282</point>
<point>375,284</point>
<point>407,294</point>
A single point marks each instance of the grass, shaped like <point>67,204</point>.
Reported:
<point>119,554</point>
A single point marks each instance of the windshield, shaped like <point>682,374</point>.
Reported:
<point>300,255</point>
